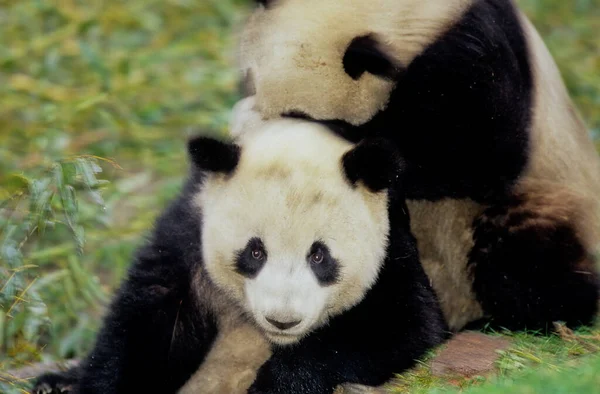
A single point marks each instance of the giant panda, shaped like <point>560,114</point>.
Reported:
<point>502,178</point>
<point>279,237</point>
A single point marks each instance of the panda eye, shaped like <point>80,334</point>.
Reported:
<point>250,260</point>
<point>317,257</point>
<point>257,254</point>
<point>324,266</point>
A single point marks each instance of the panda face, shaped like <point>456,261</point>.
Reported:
<point>287,292</point>
<point>336,59</point>
<point>286,234</point>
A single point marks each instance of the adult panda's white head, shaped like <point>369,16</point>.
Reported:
<point>336,59</point>
<point>293,228</point>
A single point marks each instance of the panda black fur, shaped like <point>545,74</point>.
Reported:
<point>280,235</point>
<point>503,179</point>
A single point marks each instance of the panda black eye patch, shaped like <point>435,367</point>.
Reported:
<point>364,55</point>
<point>325,267</point>
<point>251,259</point>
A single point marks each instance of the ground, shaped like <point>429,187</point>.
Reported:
<point>97,99</point>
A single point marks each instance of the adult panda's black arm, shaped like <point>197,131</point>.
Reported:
<point>461,111</point>
<point>397,322</point>
<point>155,334</point>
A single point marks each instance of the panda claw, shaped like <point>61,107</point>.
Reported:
<point>55,388</point>
<point>44,388</point>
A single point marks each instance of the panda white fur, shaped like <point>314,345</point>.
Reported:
<point>281,235</point>
<point>503,179</point>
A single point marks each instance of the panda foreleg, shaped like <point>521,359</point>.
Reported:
<point>311,370</point>
<point>530,266</point>
<point>152,339</point>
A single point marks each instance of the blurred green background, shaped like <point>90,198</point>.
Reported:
<point>97,99</point>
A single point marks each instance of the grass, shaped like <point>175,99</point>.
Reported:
<point>97,101</point>
<point>531,364</point>
<point>80,81</point>
<point>580,378</point>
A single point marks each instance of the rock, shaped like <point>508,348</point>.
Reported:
<point>468,354</point>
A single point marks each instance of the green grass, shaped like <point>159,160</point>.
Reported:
<point>97,99</point>
<point>570,30</point>
<point>582,377</point>
<point>125,81</point>
<point>528,362</point>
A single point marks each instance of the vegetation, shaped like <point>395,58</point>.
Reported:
<point>97,100</point>
<point>557,364</point>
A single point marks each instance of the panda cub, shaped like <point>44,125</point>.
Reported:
<point>501,175</point>
<point>285,232</point>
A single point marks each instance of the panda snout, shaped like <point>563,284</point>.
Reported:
<point>282,325</point>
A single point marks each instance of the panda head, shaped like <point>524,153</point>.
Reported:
<point>336,59</point>
<point>294,224</point>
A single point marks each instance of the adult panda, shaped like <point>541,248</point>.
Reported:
<point>282,235</point>
<point>502,176</point>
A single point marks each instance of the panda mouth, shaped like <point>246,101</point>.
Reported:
<point>282,338</point>
<point>283,334</point>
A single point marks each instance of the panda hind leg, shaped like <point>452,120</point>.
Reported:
<point>530,266</point>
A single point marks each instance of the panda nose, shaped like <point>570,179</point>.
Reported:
<point>283,325</point>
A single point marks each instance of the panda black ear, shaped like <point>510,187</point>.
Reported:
<point>264,2</point>
<point>375,162</point>
<point>210,154</point>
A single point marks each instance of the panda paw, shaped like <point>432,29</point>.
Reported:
<point>285,374</point>
<point>376,163</point>
<point>46,388</point>
<point>54,383</point>
<point>531,266</point>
